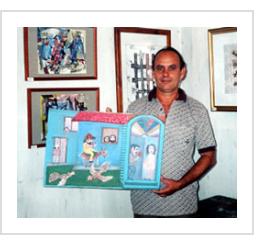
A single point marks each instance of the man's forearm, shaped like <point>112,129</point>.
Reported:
<point>205,162</point>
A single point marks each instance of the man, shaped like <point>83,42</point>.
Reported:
<point>89,151</point>
<point>45,53</point>
<point>187,126</point>
<point>134,170</point>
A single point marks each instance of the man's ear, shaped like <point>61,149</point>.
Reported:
<point>183,73</point>
<point>153,74</point>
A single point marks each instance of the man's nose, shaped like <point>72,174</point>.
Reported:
<point>165,72</point>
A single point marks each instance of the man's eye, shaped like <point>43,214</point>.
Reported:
<point>159,68</point>
<point>172,67</point>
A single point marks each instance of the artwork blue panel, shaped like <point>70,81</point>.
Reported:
<point>144,153</point>
<point>103,150</point>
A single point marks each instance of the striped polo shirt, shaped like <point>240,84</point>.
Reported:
<point>187,128</point>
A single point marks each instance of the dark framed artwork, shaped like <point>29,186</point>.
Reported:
<point>223,68</point>
<point>134,51</point>
<point>60,53</point>
<point>40,100</point>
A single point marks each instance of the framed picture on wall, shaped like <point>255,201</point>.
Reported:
<point>40,100</point>
<point>60,53</point>
<point>134,51</point>
<point>223,68</point>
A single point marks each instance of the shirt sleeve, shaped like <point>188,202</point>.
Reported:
<point>204,137</point>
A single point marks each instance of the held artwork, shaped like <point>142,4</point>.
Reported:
<point>103,150</point>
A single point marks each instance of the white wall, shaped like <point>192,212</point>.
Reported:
<point>221,180</point>
<point>36,201</point>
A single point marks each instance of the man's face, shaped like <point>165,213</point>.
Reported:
<point>46,41</point>
<point>90,143</point>
<point>135,151</point>
<point>112,138</point>
<point>167,72</point>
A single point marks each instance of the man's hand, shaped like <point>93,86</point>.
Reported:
<point>108,109</point>
<point>171,186</point>
<point>205,162</point>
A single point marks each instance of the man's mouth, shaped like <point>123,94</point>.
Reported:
<point>165,80</point>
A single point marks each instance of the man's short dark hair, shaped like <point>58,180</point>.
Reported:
<point>134,146</point>
<point>171,49</point>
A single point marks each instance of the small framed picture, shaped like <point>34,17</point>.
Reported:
<point>223,68</point>
<point>40,100</point>
<point>60,53</point>
<point>134,51</point>
<point>110,135</point>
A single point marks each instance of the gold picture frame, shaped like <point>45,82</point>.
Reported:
<point>222,44</point>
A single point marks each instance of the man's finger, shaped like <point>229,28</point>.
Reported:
<point>164,180</point>
<point>161,191</point>
<point>108,109</point>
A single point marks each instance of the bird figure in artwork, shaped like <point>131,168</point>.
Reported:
<point>97,174</point>
<point>63,177</point>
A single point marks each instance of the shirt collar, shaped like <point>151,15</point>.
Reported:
<point>153,95</point>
